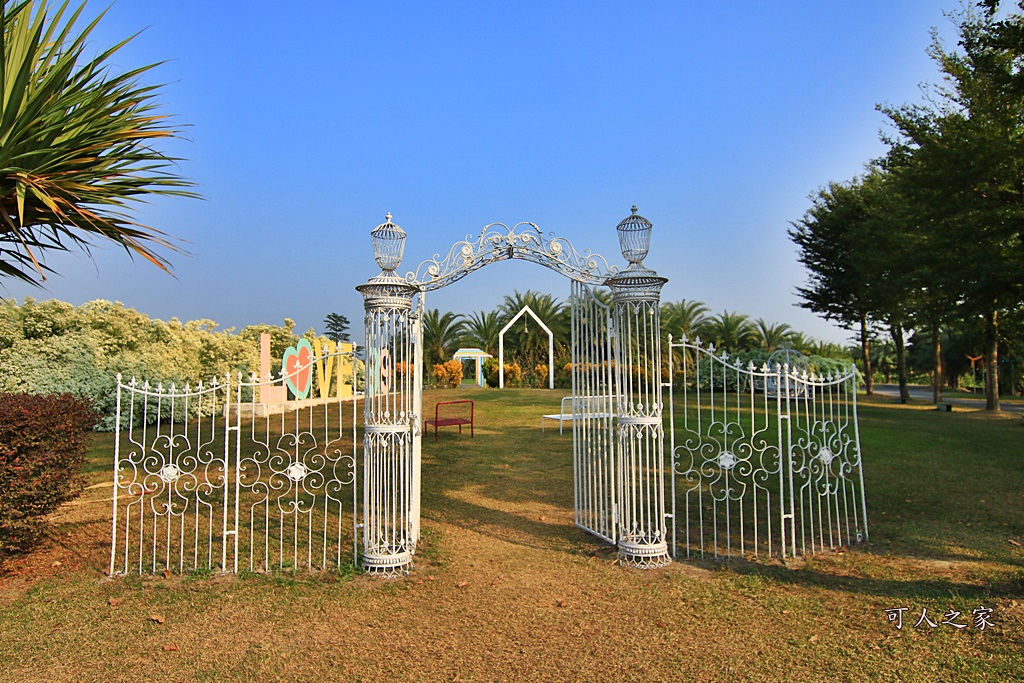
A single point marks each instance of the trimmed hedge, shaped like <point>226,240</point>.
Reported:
<point>43,441</point>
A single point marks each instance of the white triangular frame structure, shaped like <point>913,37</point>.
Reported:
<point>501,347</point>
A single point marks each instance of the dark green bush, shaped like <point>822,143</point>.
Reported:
<point>43,440</point>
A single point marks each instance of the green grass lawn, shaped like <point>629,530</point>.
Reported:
<point>506,588</point>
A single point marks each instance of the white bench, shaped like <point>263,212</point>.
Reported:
<point>587,407</point>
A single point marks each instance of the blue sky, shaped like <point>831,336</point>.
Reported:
<point>308,121</point>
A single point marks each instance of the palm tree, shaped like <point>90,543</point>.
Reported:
<point>731,331</point>
<point>546,306</point>
<point>76,144</point>
<point>802,343</point>
<point>482,330</point>
<point>683,317</point>
<point>441,335</point>
<point>827,349</point>
<point>772,335</point>
<point>526,337</point>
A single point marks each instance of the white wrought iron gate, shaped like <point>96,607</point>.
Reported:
<point>618,444</point>
<point>212,478</point>
<point>594,412</point>
<point>765,461</point>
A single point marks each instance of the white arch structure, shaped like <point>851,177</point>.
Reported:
<point>501,347</point>
<point>618,461</point>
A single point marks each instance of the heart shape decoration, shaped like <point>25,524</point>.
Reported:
<point>297,368</point>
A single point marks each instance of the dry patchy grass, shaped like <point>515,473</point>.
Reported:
<point>506,588</point>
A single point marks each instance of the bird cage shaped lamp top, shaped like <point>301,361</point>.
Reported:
<point>388,244</point>
<point>634,239</point>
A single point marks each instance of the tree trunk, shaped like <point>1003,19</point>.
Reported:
<point>896,330</point>
<point>937,370</point>
<point>953,382</point>
<point>992,361</point>
<point>865,346</point>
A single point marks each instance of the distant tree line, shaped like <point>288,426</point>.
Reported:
<point>928,244</point>
<point>52,347</point>
<point>526,344</point>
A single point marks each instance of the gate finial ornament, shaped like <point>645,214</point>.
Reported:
<point>388,244</point>
<point>635,239</point>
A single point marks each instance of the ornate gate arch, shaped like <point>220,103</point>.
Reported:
<point>618,439</point>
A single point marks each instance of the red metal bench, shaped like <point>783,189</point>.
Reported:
<point>451,421</point>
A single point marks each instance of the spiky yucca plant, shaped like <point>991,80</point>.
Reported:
<point>76,144</point>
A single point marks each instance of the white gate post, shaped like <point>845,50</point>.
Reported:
<point>417,408</point>
<point>389,472</point>
<point>636,296</point>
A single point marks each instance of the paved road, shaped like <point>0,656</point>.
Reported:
<point>924,395</point>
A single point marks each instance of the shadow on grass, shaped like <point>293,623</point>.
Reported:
<point>501,483</point>
<point>510,527</point>
<point>809,576</point>
<point>518,465</point>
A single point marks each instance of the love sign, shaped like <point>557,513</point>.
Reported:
<point>297,368</point>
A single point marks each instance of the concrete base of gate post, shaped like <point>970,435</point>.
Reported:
<point>644,555</point>
<point>388,566</point>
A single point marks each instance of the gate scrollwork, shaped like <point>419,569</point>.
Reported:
<point>207,480</point>
<point>765,461</point>
<point>498,242</point>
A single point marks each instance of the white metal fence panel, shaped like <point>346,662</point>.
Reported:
<point>826,499</point>
<point>171,482</point>
<point>594,410</point>
<point>294,491</point>
<point>211,478</point>
<point>765,461</point>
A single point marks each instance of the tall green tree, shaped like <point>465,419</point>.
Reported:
<point>926,261</point>
<point>78,143</point>
<point>963,147</point>
<point>336,328</point>
<point>830,237</point>
<point>890,260</point>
